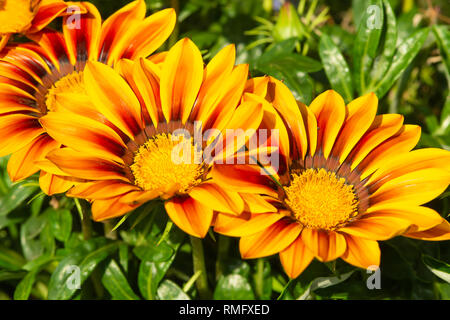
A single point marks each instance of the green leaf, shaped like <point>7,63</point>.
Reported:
<point>404,54</point>
<point>336,67</point>
<point>288,24</point>
<point>442,35</point>
<point>151,273</point>
<point>324,282</point>
<point>382,62</point>
<point>24,287</point>
<point>168,290</point>
<point>10,260</point>
<point>85,257</point>
<point>14,198</point>
<point>366,44</point>
<point>233,287</point>
<point>32,248</point>
<point>154,253</point>
<point>60,223</point>
<point>117,285</point>
<point>439,268</point>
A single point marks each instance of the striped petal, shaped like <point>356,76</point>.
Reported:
<point>414,188</point>
<point>326,246</point>
<point>52,184</point>
<point>84,166</point>
<point>245,224</point>
<point>113,97</point>
<point>85,135</point>
<point>82,33</point>
<point>17,131</point>
<point>181,79</point>
<point>438,233</point>
<point>272,240</point>
<point>383,127</point>
<point>190,215</point>
<point>329,108</point>
<point>362,253</point>
<point>377,227</point>
<point>404,141</point>
<point>110,208</point>
<point>361,113</point>
<point>217,198</point>
<point>99,190</point>
<point>22,163</point>
<point>295,258</point>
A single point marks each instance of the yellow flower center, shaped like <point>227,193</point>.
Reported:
<point>71,83</point>
<point>321,200</point>
<point>16,15</point>
<point>167,162</point>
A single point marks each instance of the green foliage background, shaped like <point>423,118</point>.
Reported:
<point>310,45</point>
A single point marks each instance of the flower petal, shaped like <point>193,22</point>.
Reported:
<point>295,258</point>
<point>329,108</point>
<point>438,233</point>
<point>245,224</point>
<point>272,240</point>
<point>361,113</point>
<point>52,184</point>
<point>17,131</point>
<point>22,163</point>
<point>110,208</point>
<point>190,215</point>
<point>377,227</point>
<point>181,79</point>
<point>113,97</point>
<point>326,246</point>
<point>217,198</point>
<point>85,135</point>
<point>414,188</point>
<point>362,253</point>
<point>84,166</point>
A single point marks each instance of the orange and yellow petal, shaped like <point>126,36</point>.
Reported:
<point>361,252</point>
<point>190,215</point>
<point>295,258</point>
<point>272,240</point>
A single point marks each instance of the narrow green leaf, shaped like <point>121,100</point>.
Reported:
<point>117,285</point>
<point>404,54</point>
<point>366,43</point>
<point>439,268</point>
<point>324,282</point>
<point>383,61</point>
<point>442,35</point>
<point>336,67</point>
<point>15,197</point>
<point>24,287</point>
<point>10,260</point>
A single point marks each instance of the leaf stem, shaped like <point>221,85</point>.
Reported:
<point>198,258</point>
<point>223,245</point>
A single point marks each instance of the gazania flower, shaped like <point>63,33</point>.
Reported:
<point>347,178</point>
<point>33,75</point>
<point>29,16</point>
<point>126,147</point>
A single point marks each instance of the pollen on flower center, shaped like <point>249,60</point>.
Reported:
<point>167,163</point>
<point>16,15</point>
<point>71,83</point>
<point>319,199</point>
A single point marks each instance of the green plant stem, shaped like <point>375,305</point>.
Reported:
<point>223,246</point>
<point>198,257</point>
<point>86,223</point>
<point>259,278</point>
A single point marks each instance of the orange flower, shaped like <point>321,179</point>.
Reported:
<point>346,179</point>
<point>125,147</point>
<point>28,16</point>
<point>32,76</point>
